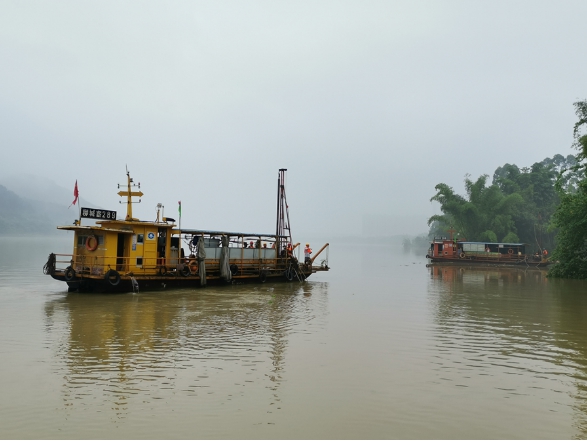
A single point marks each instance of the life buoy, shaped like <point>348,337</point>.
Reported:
<point>262,276</point>
<point>162,270</point>
<point>511,251</point>
<point>233,269</point>
<point>69,273</point>
<point>544,252</point>
<point>91,247</point>
<point>185,271</point>
<point>112,277</point>
<point>462,255</point>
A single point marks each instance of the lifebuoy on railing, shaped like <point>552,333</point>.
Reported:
<point>112,277</point>
<point>89,246</point>
<point>511,251</point>
<point>462,255</point>
<point>162,270</point>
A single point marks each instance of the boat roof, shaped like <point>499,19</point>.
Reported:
<point>227,233</point>
<point>94,228</point>
<point>498,243</point>
<point>183,231</point>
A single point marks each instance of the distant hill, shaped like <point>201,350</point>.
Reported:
<point>19,216</point>
<point>31,206</point>
<point>40,189</point>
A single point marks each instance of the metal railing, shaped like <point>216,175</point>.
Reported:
<point>87,265</point>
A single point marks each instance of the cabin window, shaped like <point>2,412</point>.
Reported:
<point>474,247</point>
<point>139,261</point>
<point>140,238</point>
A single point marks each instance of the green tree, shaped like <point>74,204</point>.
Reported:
<point>570,216</point>
<point>579,138</point>
<point>566,169</point>
<point>571,220</point>
<point>485,214</point>
<point>438,229</point>
<point>536,186</point>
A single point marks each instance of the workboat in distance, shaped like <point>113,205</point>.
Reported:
<point>452,251</point>
<point>124,255</point>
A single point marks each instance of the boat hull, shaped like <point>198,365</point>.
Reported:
<point>491,262</point>
<point>157,283</point>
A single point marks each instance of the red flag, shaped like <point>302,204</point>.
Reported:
<point>75,193</point>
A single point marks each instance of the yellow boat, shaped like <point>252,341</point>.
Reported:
<point>124,255</point>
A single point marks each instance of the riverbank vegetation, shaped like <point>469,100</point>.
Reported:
<point>544,205</point>
<point>570,217</point>
<point>516,207</point>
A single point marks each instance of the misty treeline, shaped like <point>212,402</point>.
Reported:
<point>516,207</point>
<point>544,205</point>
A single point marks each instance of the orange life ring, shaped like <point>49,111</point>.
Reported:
<point>90,247</point>
<point>511,251</point>
<point>545,252</point>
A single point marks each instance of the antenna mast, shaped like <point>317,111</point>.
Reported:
<point>283,225</point>
<point>129,194</point>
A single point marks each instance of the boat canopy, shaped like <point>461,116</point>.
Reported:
<point>95,229</point>
<point>503,244</point>
<point>226,233</point>
<point>493,247</point>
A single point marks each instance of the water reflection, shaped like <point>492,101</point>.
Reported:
<point>524,333</point>
<point>230,342</point>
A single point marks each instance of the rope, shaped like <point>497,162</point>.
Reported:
<point>49,267</point>
<point>297,275</point>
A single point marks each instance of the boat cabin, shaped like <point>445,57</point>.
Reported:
<point>443,247</point>
<point>450,248</point>
<point>124,246</point>
<point>492,248</point>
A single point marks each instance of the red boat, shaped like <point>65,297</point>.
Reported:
<point>484,253</point>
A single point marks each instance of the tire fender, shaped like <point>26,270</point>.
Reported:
<point>112,277</point>
<point>69,273</point>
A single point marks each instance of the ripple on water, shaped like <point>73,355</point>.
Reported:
<point>125,346</point>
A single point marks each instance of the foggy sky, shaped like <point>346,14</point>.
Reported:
<point>368,104</point>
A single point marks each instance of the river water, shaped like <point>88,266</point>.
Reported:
<point>382,346</point>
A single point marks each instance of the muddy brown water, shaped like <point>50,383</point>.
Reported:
<point>382,346</point>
